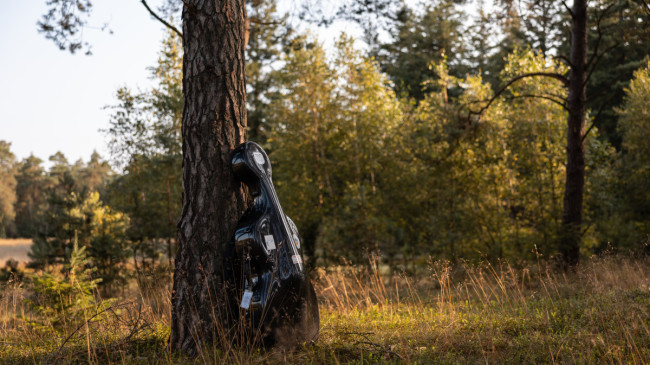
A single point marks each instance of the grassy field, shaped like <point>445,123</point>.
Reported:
<point>15,249</point>
<point>488,314</point>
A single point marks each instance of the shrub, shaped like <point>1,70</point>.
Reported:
<point>64,303</point>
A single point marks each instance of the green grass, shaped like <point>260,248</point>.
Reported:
<point>457,315</point>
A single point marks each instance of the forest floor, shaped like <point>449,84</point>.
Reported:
<point>465,314</point>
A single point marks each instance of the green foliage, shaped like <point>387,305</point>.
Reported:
<point>149,193</point>
<point>53,243</point>
<point>419,39</point>
<point>269,34</point>
<point>148,123</point>
<point>108,246</point>
<point>94,175</point>
<point>361,171</point>
<point>145,140</point>
<point>337,117</point>
<point>470,187</point>
<point>31,191</point>
<point>384,155</point>
<point>607,224</point>
<point>166,98</point>
<point>63,23</point>
<point>635,119</point>
<point>84,219</point>
<point>64,303</point>
<point>535,138</point>
<point>617,199</point>
<point>624,42</point>
<point>626,219</point>
<point>51,207</point>
<point>11,272</point>
<point>7,189</point>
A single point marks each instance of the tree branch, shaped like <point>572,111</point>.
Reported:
<point>593,124</point>
<point>600,110</point>
<point>90,319</point>
<point>257,21</point>
<point>512,81</point>
<point>600,35</point>
<point>559,102</point>
<point>563,58</point>
<point>189,6</point>
<point>646,7</point>
<point>171,27</point>
<point>568,9</point>
<point>593,67</point>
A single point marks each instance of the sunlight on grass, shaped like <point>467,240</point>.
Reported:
<point>443,314</point>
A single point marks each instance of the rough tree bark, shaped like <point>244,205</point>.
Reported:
<point>214,123</point>
<point>570,237</point>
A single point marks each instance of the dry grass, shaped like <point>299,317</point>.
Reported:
<point>488,314</point>
<point>463,314</point>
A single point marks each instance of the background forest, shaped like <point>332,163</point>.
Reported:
<point>424,164</point>
<point>394,144</point>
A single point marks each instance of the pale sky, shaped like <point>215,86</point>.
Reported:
<point>51,100</point>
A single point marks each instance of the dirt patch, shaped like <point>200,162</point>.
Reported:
<point>14,249</point>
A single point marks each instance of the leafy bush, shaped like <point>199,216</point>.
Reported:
<point>11,271</point>
<point>64,303</point>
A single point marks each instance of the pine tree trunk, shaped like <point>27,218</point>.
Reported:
<point>214,123</point>
<point>569,243</point>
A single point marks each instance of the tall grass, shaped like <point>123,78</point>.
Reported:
<point>486,313</point>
